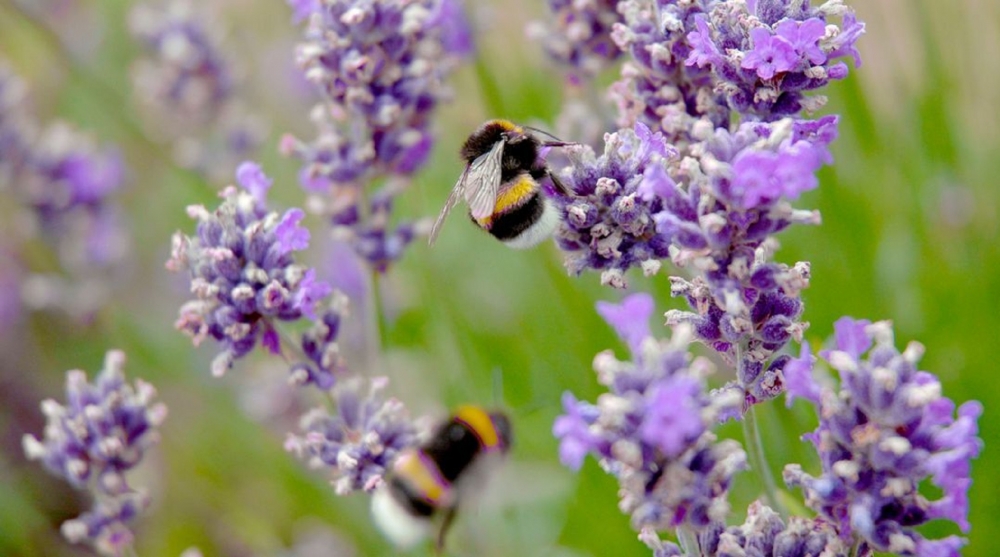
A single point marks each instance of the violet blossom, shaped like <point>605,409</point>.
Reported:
<point>652,430</point>
<point>101,433</point>
<point>380,79</point>
<point>358,442</point>
<point>577,35</point>
<point>243,274</point>
<point>883,433</point>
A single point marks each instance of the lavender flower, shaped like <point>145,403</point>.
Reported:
<point>765,55</point>
<point>651,430</point>
<point>382,76</point>
<point>360,441</point>
<point>243,274</point>
<point>319,345</point>
<point>186,73</point>
<point>577,35</point>
<point>188,88</point>
<point>67,184</point>
<point>606,224</point>
<point>700,62</point>
<point>765,533</point>
<point>881,435</point>
<point>101,433</point>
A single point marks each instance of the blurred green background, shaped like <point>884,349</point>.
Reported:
<point>909,234</point>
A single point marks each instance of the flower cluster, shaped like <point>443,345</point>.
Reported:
<point>578,35</point>
<point>188,88</point>
<point>243,274</point>
<point>765,55</point>
<point>359,441</point>
<point>884,432</point>
<point>765,533</point>
<point>101,433</point>
<point>381,67</point>
<point>65,183</point>
<point>652,429</point>
<point>703,61</point>
<point>715,212</point>
<point>606,224</point>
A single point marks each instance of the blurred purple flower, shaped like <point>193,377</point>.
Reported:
<point>360,441</point>
<point>630,319</point>
<point>577,35</point>
<point>100,434</point>
<point>764,533</point>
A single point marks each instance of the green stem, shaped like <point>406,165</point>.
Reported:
<point>378,328</point>
<point>758,460</point>
<point>689,541</point>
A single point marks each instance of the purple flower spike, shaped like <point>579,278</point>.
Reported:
<point>360,441</point>
<point>765,533</point>
<point>651,432</point>
<point>243,275</point>
<point>630,319</point>
<point>881,435</point>
<point>100,434</point>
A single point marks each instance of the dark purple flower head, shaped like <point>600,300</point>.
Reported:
<point>608,223</point>
<point>360,441</point>
<point>651,431</point>
<point>102,431</point>
<point>243,274</point>
<point>881,435</point>
<point>764,533</point>
<point>577,35</point>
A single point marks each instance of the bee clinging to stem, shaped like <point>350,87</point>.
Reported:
<point>427,483</point>
<point>502,185</point>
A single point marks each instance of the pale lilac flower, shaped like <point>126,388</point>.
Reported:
<point>577,35</point>
<point>882,434</point>
<point>244,276</point>
<point>651,431</point>
<point>770,55</point>
<point>358,443</point>
<point>100,434</point>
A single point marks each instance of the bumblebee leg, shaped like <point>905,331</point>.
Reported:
<point>449,519</point>
<point>560,187</point>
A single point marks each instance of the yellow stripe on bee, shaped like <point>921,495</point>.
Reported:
<point>480,423</point>
<point>514,194</point>
<point>508,125</point>
<point>421,473</point>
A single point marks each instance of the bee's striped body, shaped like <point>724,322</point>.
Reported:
<point>502,185</point>
<point>427,481</point>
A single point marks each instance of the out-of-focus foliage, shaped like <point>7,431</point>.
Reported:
<point>910,229</point>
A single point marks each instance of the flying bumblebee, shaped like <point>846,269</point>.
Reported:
<point>427,483</point>
<point>501,184</point>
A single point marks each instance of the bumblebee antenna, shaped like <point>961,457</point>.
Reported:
<point>557,143</point>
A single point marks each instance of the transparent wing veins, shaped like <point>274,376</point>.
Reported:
<point>484,182</point>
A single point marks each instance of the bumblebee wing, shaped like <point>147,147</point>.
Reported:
<point>456,194</point>
<point>484,182</point>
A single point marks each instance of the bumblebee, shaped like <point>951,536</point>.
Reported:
<point>501,184</point>
<point>426,483</point>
